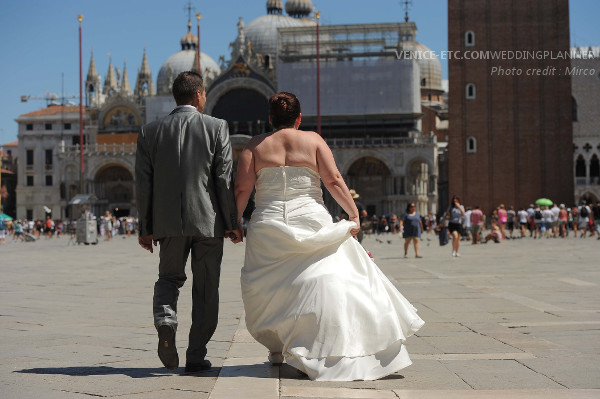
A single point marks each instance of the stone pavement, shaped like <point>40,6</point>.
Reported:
<point>520,319</point>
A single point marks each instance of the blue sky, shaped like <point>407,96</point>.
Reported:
<point>39,38</point>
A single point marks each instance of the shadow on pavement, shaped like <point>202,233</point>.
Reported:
<point>133,372</point>
<point>256,371</point>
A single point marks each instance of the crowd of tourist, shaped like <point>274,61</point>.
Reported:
<point>459,223</point>
<point>462,224</point>
<point>108,226</point>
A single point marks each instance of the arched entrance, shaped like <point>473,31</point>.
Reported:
<point>589,198</point>
<point>114,187</point>
<point>370,177</point>
<point>246,111</point>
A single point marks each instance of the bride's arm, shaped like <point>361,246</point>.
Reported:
<point>334,183</point>
<point>244,180</point>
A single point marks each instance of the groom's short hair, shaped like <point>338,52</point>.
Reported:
<point>185,87</point>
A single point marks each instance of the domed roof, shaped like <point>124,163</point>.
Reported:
<point>189,41</point>
<point>429,65</point>
<point>299,8</point>
<point>274,6</point>
<point>262,32</point>
<point>182,61</point>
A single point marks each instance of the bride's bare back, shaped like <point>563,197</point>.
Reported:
<point>285,147</point>
<point>291,147</point>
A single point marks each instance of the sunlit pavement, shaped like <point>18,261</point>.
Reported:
<point>519,319</point>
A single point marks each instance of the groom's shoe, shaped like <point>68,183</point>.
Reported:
<point>196,367</point>
<point>167,352</point>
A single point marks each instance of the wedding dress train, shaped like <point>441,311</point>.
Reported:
<point>311,291</point>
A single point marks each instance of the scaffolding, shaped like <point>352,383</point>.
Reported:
<point>345,42</point>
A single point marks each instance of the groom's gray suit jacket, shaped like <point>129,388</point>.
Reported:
<point>183,174</point>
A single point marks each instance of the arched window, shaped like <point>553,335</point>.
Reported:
<point>595,169</point>
<point>574,110</point>
<point>469,38</point>
<point>471,145</point>
<point>580,167</point>
<point>470,91</point>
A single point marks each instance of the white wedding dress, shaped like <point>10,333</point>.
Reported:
<point>311,291</point>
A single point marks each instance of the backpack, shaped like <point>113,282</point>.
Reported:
<point>583,212</point>
<point>538,214</point>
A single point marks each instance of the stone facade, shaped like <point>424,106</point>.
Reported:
<point>42,136</point>
<point>586,123</point>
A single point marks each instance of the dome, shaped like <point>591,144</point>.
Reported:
<point>189,41</point>
<point>299,8</point>
<point>182,61</point>
<point>274,6</point>
<point>262,32</point>
<point>429,65</point>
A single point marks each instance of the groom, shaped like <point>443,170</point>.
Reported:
<point>185,201</point>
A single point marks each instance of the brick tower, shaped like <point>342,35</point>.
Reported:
<point>511,135</point>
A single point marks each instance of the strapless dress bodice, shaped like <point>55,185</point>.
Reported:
<point>286,183</point>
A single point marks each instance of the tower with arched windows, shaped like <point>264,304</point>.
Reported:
<point>510,123</point>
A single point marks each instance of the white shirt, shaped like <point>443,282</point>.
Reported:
<point>467,219</point>
<point>555,211</point>
<point>523,216</point>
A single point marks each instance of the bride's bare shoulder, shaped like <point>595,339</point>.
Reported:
<point>257,140</point>
<point>313,136</point>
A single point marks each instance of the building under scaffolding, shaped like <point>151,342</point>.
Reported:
<point>371,114</point>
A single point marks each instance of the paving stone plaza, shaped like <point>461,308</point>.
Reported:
<point>519,319</point>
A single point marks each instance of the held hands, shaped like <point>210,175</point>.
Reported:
<point>354,231</point>
<point>236,236</point>
<point>146,243</point>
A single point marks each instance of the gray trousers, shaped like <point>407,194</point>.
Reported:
<point>207,254</point>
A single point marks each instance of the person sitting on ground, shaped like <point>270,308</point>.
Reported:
<point>495,234</point>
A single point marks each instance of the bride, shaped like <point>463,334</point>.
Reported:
<point>312,295</point>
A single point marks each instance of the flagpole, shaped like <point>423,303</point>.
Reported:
<point>81,188</point>
<point>198,16</point>
<point>318,15</point>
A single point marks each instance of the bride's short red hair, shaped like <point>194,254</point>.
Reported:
<point>284,109</point>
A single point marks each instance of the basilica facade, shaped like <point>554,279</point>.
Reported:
<point>374,108</point>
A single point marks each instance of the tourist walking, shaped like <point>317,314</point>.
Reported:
<point>502,219</point>
<point>575,220</point>
<point>547,218</point>
<point>555,212</point>
<point>467,224</point>
<point>454,214</point>
<point>531,220</point>
<point>412,227</point>
<point>584,218</point>
<point>596,215</point>
<point>510,220</point>
<point>108,226</point>
<point>523,221</point>
<point>538,222</point>
<point>477,221</point>
<point>563,218</point>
